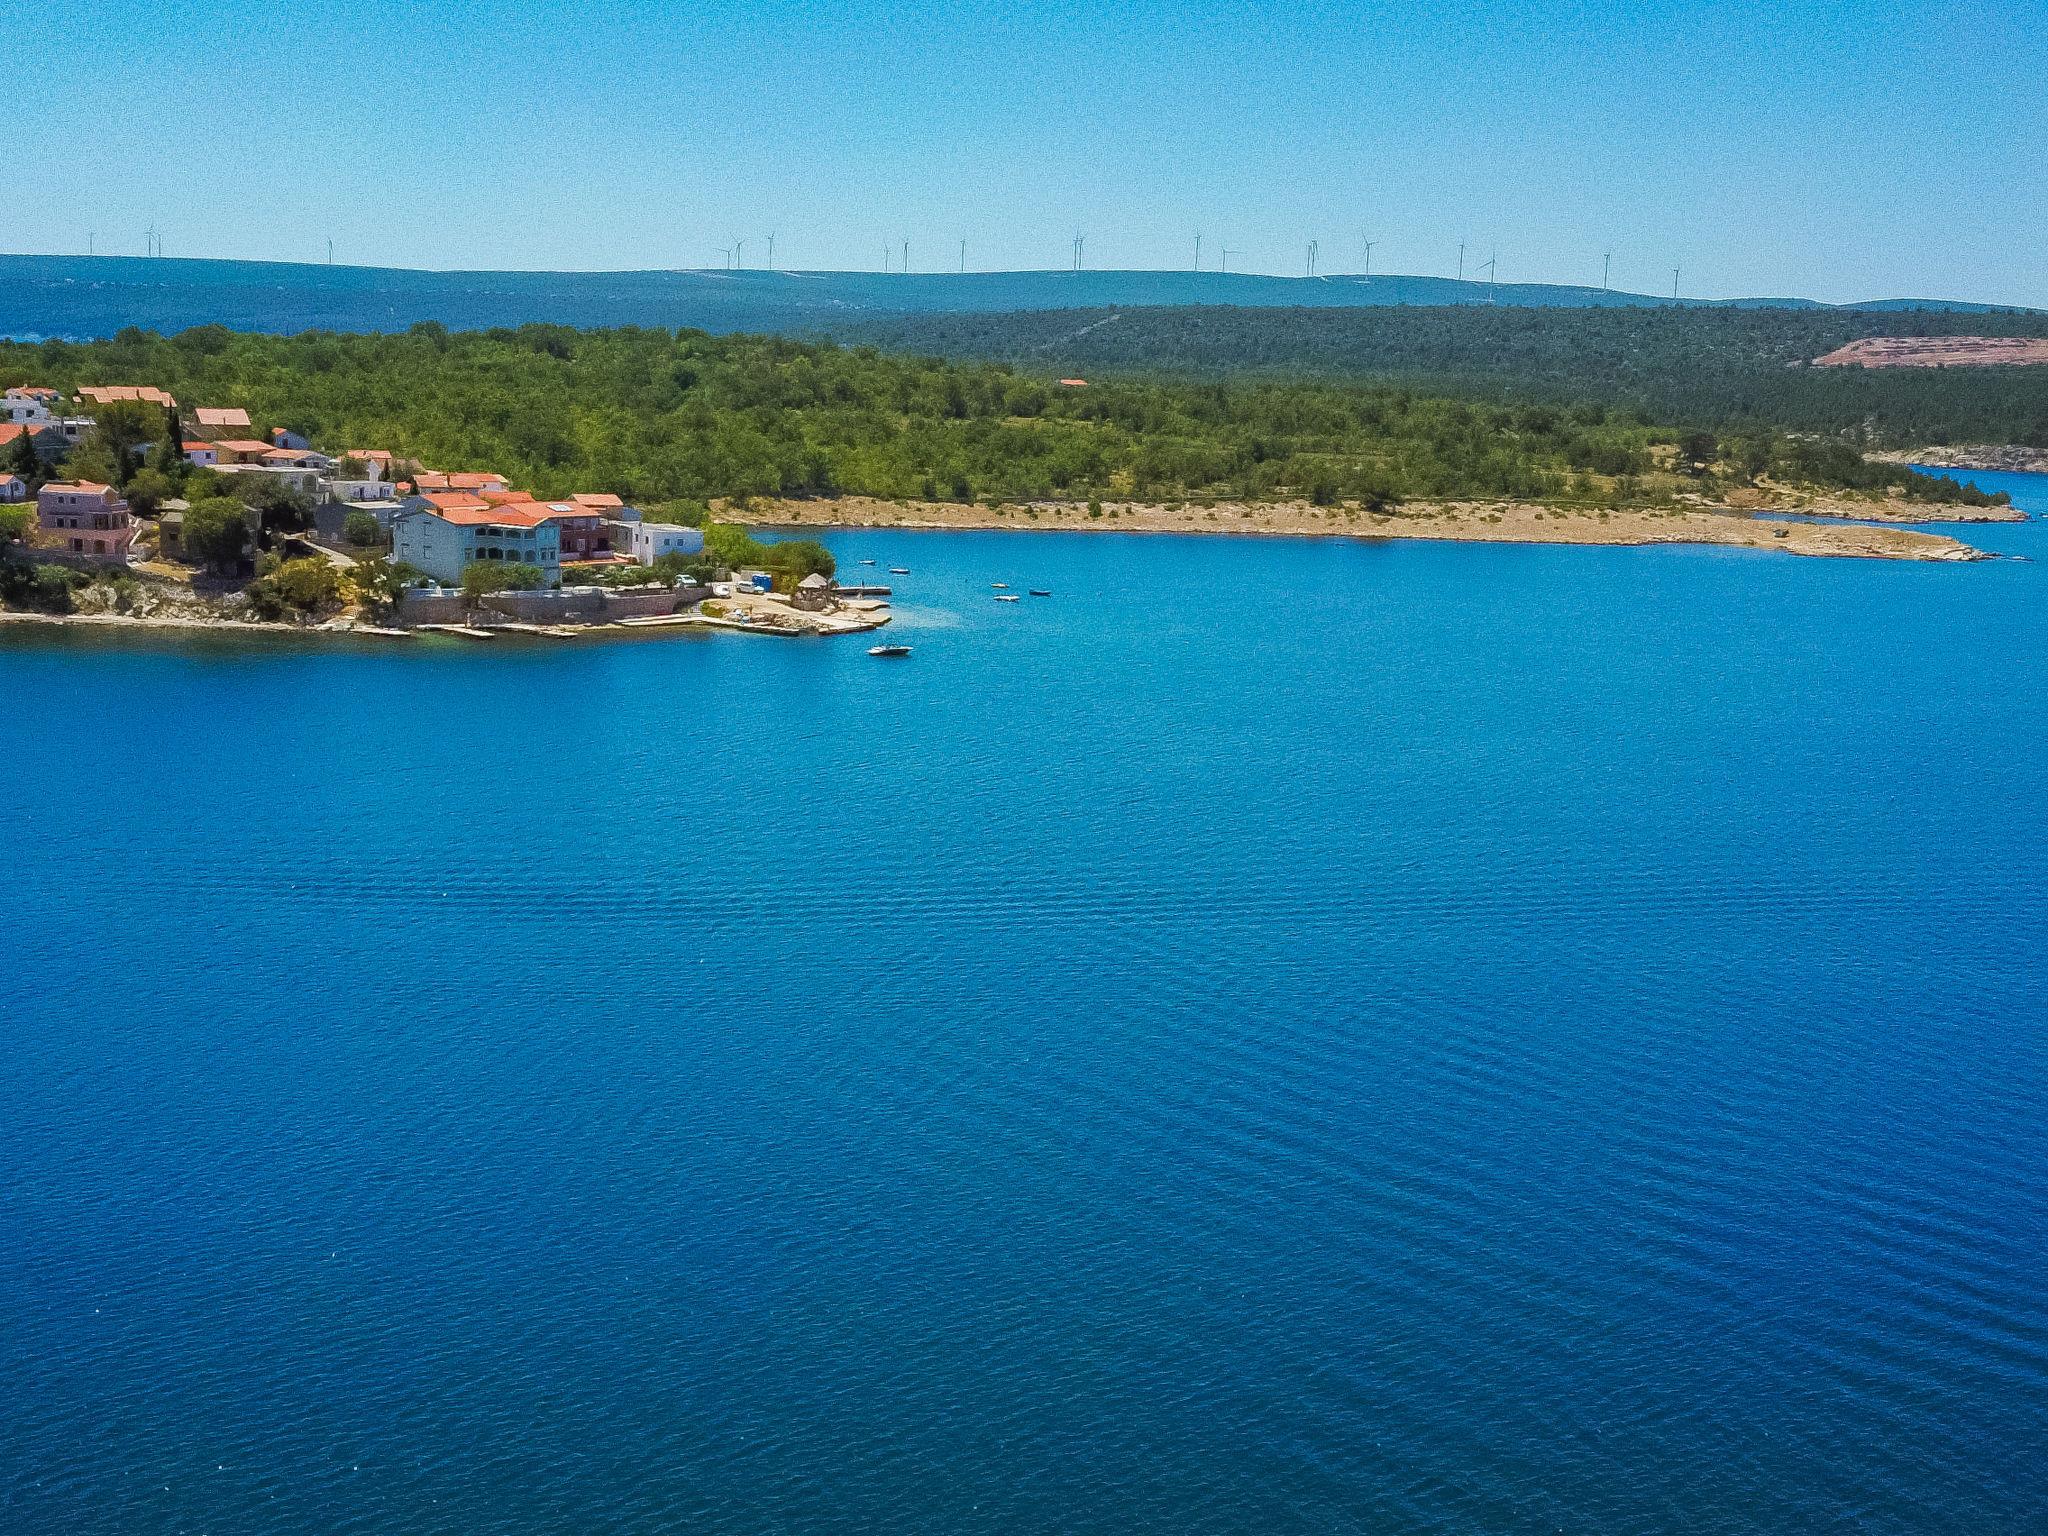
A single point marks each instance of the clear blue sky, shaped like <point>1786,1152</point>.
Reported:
<point>1832,150</point>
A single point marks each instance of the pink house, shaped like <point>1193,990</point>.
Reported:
<point>90,519</point>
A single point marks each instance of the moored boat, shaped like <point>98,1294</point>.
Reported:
<point>888,650</point>
<point>1041,592</point>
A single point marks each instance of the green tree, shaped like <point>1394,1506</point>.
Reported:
<point>23,460</point>
<point>732,546</point>
<point>480,578</point>
<point>797,558</point>
<point>361,529</point>
<point>217,533</point>
<point>148,491</point>
<point>15,521</point>
<point>302,587</point>
<point>379,582</point>
<point>41,588</point>
<point>168,456</point>
<point>121,429</point>
<point>1696,452</point>
<point>279,508</point>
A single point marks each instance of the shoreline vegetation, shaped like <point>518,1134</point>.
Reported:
<point>657,417</point>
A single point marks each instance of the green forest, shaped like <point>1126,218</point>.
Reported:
<point>1718,369</point>
<point>656,416</point>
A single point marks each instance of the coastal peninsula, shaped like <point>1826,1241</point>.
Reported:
<point>1464,522</point>
<point>598,482</point>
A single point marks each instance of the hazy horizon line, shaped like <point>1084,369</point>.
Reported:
<point>997,272</point>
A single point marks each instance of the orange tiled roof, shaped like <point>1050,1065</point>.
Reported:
<point>596,500</point>
<point>84,487</point>
<point>222,416</point>
<point>242,445</point>
<point>106,394</point>
<point>521,515</point>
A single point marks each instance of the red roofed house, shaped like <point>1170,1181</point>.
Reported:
<point>26,404</point>
<point>48,435</point>
<point>13,488</point>
<point>205,455</point>
<point>91,519</point>
<point>240,450</point>
<point>444,533</point>
<point>222,418</point>
<point>587,528</point>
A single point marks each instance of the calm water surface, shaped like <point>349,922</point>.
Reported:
<point>1278,1037</point>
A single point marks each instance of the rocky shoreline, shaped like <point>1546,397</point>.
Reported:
<point>2005,458</point>
<point>1473,522</point>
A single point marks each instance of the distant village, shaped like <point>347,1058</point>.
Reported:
<point>471,548</point>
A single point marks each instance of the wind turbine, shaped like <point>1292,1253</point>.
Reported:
<point>1491,263</point>
<point>906,255</point>
<point>1079,241</point>
<point>1461,261</point>
<point>1198,250</point>
<point>1606,266</point>
<point>739,258</point>
<point>1368,256</point>
<point>1674,284</point>
<point>1309,270</point>
<point>1227,253</point>
<point>963,255</point>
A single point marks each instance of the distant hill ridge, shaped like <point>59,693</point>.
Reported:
<point>79,296</point>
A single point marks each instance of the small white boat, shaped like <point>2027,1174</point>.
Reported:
<point>1000,586</point>
<point>888,650</point>
<point>899,570</point>
<point>867,562</point>
<point>1008,597</point>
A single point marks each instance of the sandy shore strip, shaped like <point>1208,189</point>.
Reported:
<point>1477,522</point>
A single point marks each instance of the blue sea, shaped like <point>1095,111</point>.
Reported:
<point>1279,1036</point>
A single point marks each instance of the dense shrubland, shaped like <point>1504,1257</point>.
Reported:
<point>660,417</point>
